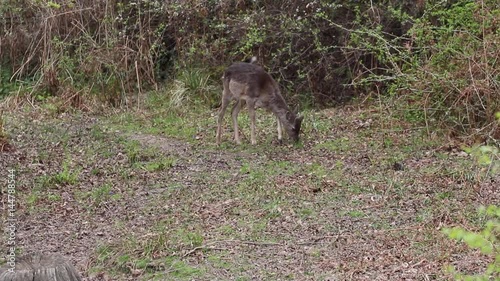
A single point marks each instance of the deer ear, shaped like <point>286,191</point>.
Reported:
<point>298,122</point>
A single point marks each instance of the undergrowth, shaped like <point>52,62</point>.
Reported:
<point>435,60</point>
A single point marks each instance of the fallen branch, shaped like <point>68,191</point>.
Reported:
<point>318,239</point>
<point>210,245</point>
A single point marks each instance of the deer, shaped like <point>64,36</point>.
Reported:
<point>248,83</point>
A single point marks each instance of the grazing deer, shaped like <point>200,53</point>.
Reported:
<point>250,83</point>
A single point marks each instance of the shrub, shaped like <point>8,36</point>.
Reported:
<point>436,59</point>
<point>443,66</point>
<point>485,240</point>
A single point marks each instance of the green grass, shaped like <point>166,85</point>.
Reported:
<point>33,198</point>
<point>101,194</point>
<point>45,186</point>
<point>356,214</point>
<point>160,164</point>
<point>174,126</point>
<point>337,145</point>
<point>180,270</point>
<point>67,176</point>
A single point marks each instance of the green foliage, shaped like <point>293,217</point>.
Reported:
<point>6,86</point>
<point>435,60</point>
<point>101,194</point>
<point>3,134</point>
<point>442,68</point>
<point>486,156</point>
<point>485,240</point>
<point>66,176</point>
<point>460,16</point>
<point>164,163</point>
<point>54,5</point>
<point>198,86</point>
<point>112,52</point>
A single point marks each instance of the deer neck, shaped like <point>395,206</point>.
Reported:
<point>282,111</point>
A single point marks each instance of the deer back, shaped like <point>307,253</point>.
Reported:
<point>247,80</point>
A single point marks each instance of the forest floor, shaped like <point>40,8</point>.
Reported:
<point>147,195</point>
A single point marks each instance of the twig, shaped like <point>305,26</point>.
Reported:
<point>373,206</point>
<point>419,263</point>
<point>208,246</point>
<point>139,94</point>
<point>260,243</point>
<point>201,248</point>
<point>69,12</point>
<point>318,239</point>
<point>399,228</point>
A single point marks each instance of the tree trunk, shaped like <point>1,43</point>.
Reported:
<point>39,267</point>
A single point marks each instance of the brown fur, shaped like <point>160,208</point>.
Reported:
<point>250,83</point>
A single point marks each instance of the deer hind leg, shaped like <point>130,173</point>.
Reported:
<point>234,112</point>
<point>280,131</point>
<point>251,112</point>
<point>226,98</point>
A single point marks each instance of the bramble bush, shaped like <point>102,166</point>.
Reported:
<point>72,48</point>
<point>443,68</point>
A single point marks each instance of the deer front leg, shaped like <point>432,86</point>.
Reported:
<point>234,112</point>
<point>280,130</point>
<point>225,103</point>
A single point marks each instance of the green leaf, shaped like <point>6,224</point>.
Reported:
<point>54,5</point>
<point>472,239</point>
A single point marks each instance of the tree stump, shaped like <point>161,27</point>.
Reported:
<point>40,267</point>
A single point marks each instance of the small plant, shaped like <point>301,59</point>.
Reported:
<point>160,165</point>
<point>485,240</point>
<point>101,194</point>
<point>133,149</point>
<point>6,85</point>
<point>198,85</point>
<point>178,95</point>
<point>66,176</point>
<point>3,135</point>
<point>487,157</point>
